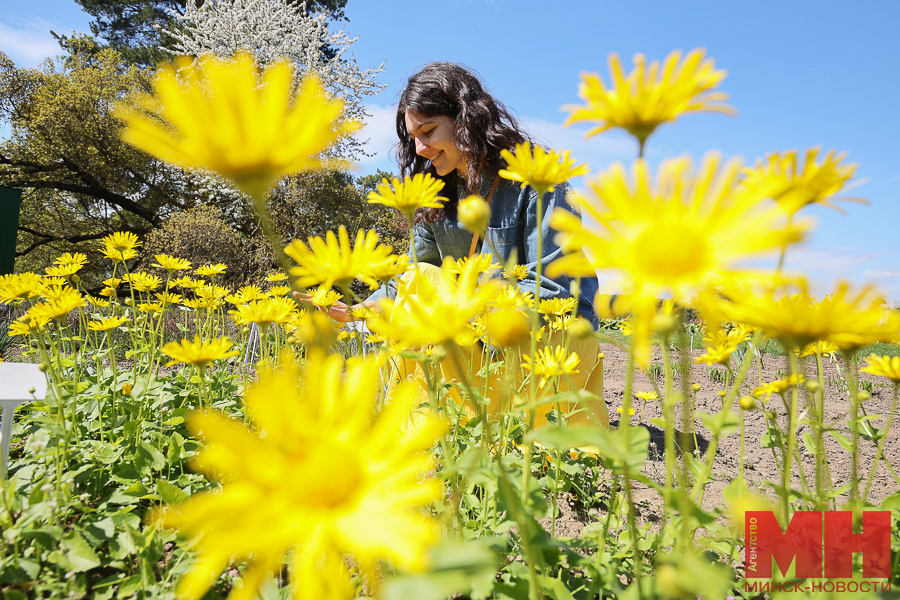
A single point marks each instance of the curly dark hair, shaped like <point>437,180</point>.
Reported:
<point>482,128</point>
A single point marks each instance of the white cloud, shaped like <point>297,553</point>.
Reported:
<point>28,42</point>
<point>379,135</point>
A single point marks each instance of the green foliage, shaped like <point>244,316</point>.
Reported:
<point>133,27</point>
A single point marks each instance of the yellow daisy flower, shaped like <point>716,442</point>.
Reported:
<point>199,352</point>
<point>55,283</point>
<point>170,263</point>
<point>279,290</point>
<point>226,116</point>
<point>20,286</point>
<point>106,323</point>
<point>265,312</point>
<point>518,273</point>
<point>393,266</point>
<point>27,324</point>
<point>210,270</point>
<point>97,302</point>
<point>883,366</point>
<point>332,261</point>
<point>848,319</point>
<point>276,277</point>
<point>151,308</point>
<point>70,258</point>
<point>65,271</point>
<point>648,97</point>
<point>332,478</point>
<point>647,395</point>
<point>418,191</point>
<point>143,282</point>
<point>557,307</point>
<point>63,302</point>
<point>121,241</point>
<point>247,293</point>
<point>631,411</point>
<point>779,386</point>
<point>779,178</point>
<point>820,348</point>
<point>543,170</point>
<point>550,363</point>
<point>324,297</point>
<point>167,298</point>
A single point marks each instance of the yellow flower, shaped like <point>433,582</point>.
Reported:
<point>279,290</point>
<point>821,348</point>
<point>543,170</point>
<point>331,477</point>
<point>674,237</point>
<point>66,270</point>
<point>168,298</point>
<point>127,389</point>
<point>647,395</point>
<point>847,319</point>
<point>112,282</point>
<point>778,178</point>
<point>151,308</point>
<point>97,302</point>
<point>883,366</point>
<point>247,293</point>
<point>361,312</point>
<point>649,97</point>
<point>199,352</point>
<point>392,266</point>
<point>265,312</point>
<point>106,323</point>
<point>276,277</point>
<point>551,362</point>
<point>324,297</point>
<point>418,191</point>
<point>170,263</point>
<point>143,282</point>
<point>631,411</point>
<point>20,286</point>
<point>27,324</point>
<point>70,258</point>
<point>507,326</point>
<point>779,386</point>
<point>557,307</point>
<point>210,270</point>
<point>332,261</point>
<point>721,345</point>
<point>64,301</point>
<point>121,241</point>
<point>478,263</point>
<point>518,273</point>
<point>186,283</point>
<point>560,323</point>
<point>54,283</point>
<point>433,311</point>
<point>226,116</point>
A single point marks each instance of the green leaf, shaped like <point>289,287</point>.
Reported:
<point>722,424</point>
<point>841,439</point>
<point>170,494</point>
<point>79,556</point>
<point>809,442</point>
<point>772,438</point>
<point>456,568</point>
<point>610,444</point>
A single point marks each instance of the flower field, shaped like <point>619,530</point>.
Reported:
<point>198,441</point>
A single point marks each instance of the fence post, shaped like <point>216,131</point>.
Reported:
<point>10,203</point>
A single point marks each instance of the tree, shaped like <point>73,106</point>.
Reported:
<point>279,29</point>
<point>80,181</point>
<point>135,27</point>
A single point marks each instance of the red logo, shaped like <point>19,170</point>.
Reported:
<point>822,543</point>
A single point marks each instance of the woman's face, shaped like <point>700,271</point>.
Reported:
<point>434,141</point>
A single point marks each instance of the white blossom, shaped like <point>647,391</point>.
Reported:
<point>276,29</point>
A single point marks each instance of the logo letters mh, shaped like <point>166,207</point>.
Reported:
<point>822,543</point>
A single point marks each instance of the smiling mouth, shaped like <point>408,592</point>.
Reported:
<point>435,157</point>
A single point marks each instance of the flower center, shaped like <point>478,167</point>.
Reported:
<point>330,476</point>
<point>671,251</point>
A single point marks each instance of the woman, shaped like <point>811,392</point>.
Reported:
<point>451,127</point>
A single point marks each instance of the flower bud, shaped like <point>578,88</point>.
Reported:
<point>696,387</point>
<point>747,402</point>
<point>664,324</point>
<point>863,395</point>
<point>42,366</point>
<point>721,393</point>
<point>75,278</point>
<point>581,329</point>
<point>508,327</point>
<point>812,386</point>
<point>474,213</point>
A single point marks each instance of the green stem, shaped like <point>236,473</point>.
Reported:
<point>887,430</point>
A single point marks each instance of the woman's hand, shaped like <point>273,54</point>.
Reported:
<point>339,311</point>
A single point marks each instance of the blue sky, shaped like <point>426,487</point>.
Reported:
<point>801,73</point>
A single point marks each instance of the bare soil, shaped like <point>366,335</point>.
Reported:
<point>760,464</point>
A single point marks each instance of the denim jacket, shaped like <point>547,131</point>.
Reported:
<point>513,224</point>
